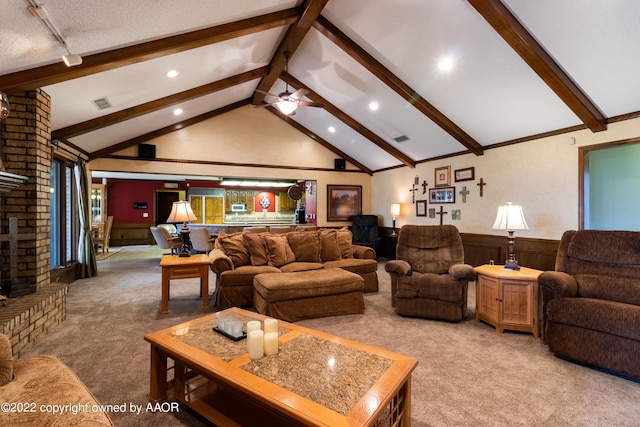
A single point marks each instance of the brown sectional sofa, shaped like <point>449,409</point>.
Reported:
<point>239,257</point>
<point>591,302</point>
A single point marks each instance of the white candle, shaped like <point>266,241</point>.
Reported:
<point>270,325</point>
<point>253,325</point>
<point>255,345</point>
<point>271,343</point>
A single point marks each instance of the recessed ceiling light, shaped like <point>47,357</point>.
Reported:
<point>445,64</point>
<point>173,73</point>
<point>373,105</point>
<point>177,111</point>
<point>332,129</point>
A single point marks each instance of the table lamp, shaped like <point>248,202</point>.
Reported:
<point>395,211</point>
<point>181,212</point>
<point>510,217</point>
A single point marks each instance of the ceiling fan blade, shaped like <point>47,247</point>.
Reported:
<point>310,104</point>
<point>264,105</point>
<point>299,93</point>
<point>267,93</point>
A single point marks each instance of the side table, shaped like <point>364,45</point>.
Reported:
<point>175,267</point>
<point>508,299</point>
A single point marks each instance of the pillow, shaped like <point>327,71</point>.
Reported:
<point>279,251</point>
<point>305,245</point>
<point>257,248</point>
<point>233,247</point>
<point>6,360</point>
<point>329,248</point>
<point>344,241</point>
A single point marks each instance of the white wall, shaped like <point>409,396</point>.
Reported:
<point>540,175</point>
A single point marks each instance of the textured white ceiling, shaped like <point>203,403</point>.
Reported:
<point>491,93</point>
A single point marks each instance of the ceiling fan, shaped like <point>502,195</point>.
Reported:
<point>286,101</point>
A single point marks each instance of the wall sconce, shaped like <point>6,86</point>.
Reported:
<point>5,107</point>
<point>395,211</point>
<point>181,212</point>
<point>510,217</point>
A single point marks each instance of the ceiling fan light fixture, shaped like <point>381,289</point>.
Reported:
<point>287,107</point>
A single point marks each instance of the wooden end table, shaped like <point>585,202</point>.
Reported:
<point>175,267</point>
<point>508,299</point>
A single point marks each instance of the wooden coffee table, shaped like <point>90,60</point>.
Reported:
<point>316,379</point>
<point>175,267</point>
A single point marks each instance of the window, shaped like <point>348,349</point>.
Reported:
<point>64,214</point>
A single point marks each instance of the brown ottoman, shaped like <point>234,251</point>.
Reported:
<point>308,294</point>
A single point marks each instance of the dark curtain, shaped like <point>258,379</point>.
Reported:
<point>88,267</point>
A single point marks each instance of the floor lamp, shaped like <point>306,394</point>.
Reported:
<point>395,211</point>
<point>510,217</point>
<point>181,212</point>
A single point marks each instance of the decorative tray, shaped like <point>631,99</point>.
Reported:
<point>228,335</point>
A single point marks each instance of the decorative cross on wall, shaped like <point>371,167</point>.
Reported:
<point>441,213</point>
<point>413,190</point>
<point>464,193</point>
<point>424,187</point>
<point>13,237</point>
<point>481,184</point>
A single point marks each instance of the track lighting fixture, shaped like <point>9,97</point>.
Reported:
<point>38,10</point>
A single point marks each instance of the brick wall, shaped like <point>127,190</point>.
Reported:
<point>28,319</point>
<point>26,151</point>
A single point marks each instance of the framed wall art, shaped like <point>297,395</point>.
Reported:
<point>466,174</point>
<point>421,208</point>
<point>443,176</point>
<point>343,202</point>
<point>442,195</point>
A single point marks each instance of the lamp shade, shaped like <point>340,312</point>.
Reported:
<point>181,212</point>
<point>395,209</point>
<point>510,217</point>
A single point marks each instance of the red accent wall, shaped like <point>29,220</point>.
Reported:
<point>122,193</point>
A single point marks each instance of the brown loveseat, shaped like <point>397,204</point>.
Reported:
<point>36,390</point>
<point>429,278</point>
<point>591,302</point>
<point>239,257</point>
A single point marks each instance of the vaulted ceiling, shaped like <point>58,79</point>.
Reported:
<point>520,69</point>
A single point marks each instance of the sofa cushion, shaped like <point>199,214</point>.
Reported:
<point>288,286</point>
<point>257,248</point>
<point>587,245</point>
<point>439,287</point>
<point>610,317</point>
<point>305,246</point>
<point>301,266</point>
<point>279,251</point>
<point>354,265</point>
<point>344,238</point>
<point>234,247</point>
<point>243,276</point>
<point>609,288</point>
<point>6,361</point>
<point>329,248</point>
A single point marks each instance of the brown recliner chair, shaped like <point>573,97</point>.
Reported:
<point>591,302</point>
<point>428,277</point>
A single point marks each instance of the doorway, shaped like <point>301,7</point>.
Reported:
<point>164,201</point>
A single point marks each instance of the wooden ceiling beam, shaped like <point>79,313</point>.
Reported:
<point>350,121</point>
<point>320,140</point>
<point>167,129</point>
<point>291,41</point>
<point>540,61</point>
<point>55,73</point>
<point>155,105</point>
<point>333,33</point>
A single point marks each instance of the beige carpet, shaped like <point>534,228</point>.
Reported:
<point>467,374</point>
<point>101,256</point>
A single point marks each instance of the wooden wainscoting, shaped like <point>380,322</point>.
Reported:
<point>131,233</point>
<point>481,249</point>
